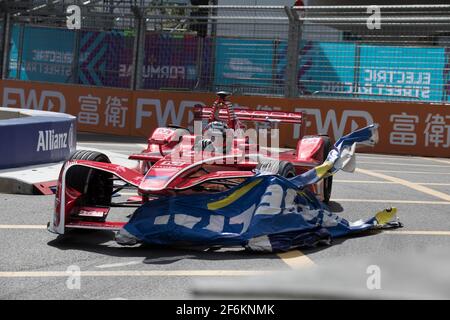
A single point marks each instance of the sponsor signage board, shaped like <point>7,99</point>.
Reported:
<point>405,127</point>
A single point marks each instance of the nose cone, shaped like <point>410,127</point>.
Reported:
<point>163,172</point>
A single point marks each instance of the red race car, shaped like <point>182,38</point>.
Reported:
<point>220,153</point>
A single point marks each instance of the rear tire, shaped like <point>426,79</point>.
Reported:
<point>96,185</point>
<point>285,169</point>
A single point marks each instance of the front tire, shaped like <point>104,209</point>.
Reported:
<point>283,168</point>
<point>95,185</point>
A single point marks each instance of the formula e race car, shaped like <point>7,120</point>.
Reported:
<point>216,186</point>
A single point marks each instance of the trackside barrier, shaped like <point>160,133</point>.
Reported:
<point>29,137</point>
<point>405,127</point>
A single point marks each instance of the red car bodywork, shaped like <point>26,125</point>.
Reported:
<point>160,172</point>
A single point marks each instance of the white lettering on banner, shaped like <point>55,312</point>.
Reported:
<point>49,140</point>
<point>341,87</point>
<point>156,72</point>
<point>47,68</point>
<point>241,68</point>
<point>331,121</point>
<point>64,57</point>
<point>244,218</point>
<point>270,204</point>
<point>289,202</point>
<point>89,110</point>
<point>271,201</point>
<point>186,220</point>
<point>48,100</point>
<point>319,216</point>
<point>396,83</point>
<point>116,112</point>
<point>437,131</point>
<point>216,222</point>
<point>404,129</point>
<point>164,115</point>
<point>72,140</point>
<point>400,77</point>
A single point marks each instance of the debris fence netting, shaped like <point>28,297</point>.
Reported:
<point>398,52</point>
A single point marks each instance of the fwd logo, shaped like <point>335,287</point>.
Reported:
<point>164,114</point>
<point>330,124</point>
<point>47,100</point>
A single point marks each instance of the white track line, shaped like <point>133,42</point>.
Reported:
<point>22,226</point>
<point>401,157</point>
<point>363,181</point>
<point>136,273</point>
<point>405,164</point>
<point>389,182</point>
<point>363,156</point>
<point>437,160</point>
<point>418,233</point>
<point>391,201</point>
<point>414,172</point>
<point>116,265</point>
<point>407,183</point>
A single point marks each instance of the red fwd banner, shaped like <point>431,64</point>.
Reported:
<point>405,128</point>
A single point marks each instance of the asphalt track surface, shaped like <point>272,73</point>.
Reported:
<point>33,262</point>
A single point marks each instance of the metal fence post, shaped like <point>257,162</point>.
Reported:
<point>138,49</point>
<point>291,85</point>
<point>20,51</point>
<point>4,49</point>
<point>209,83</point>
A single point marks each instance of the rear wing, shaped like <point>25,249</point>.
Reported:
<point>201,112</point>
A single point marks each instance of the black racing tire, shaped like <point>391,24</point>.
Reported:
<point>285,169</point>
<point>327,182</point>
<point>96,185</point>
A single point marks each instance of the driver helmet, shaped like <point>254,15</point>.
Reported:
<point>213,131</point>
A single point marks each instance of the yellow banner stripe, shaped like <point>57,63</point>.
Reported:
<point>233,197</point>
<point>323,168</point>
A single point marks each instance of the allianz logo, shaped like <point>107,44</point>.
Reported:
<point>48,140</point>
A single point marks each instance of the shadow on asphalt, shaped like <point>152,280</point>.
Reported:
<point>102,242</point>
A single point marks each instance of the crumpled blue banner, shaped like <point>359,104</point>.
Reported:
<point>266,213</point>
